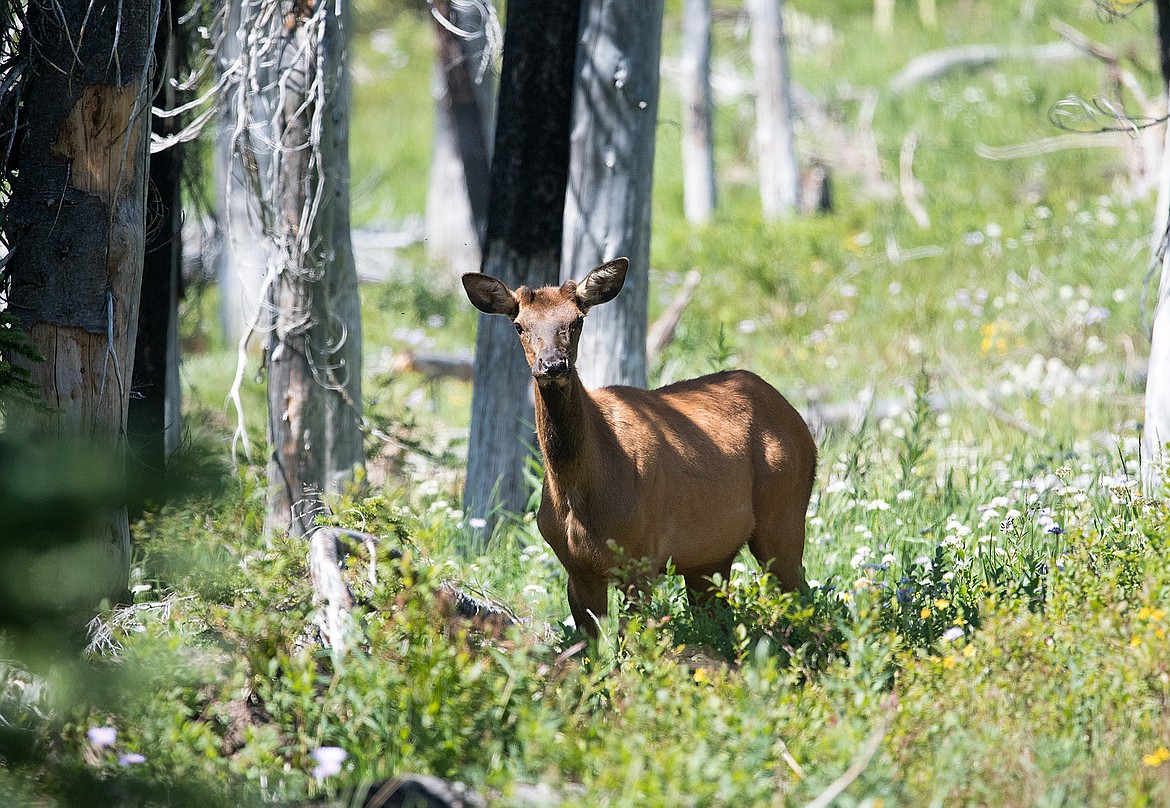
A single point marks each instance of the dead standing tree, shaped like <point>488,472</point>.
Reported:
<point>698,138</point>
<point>775,138</point>
<point>154,416</point>
<point>1156,431</point>
<point>611,171</point>
<point>76,224</point>
<point>311,312</point>
<point>468,39</point>
<point>529,171</point>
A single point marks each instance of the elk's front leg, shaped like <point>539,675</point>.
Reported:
<point>588,601</point>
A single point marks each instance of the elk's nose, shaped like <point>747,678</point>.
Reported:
<point>553,366</point>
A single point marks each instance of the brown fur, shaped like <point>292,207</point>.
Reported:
<point>687,473</point>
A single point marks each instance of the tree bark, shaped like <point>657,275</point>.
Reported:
<point>314,346</point>
<point>775,141</point>
<point>76,221</point>
<point>342,331</point>
<point>698,141</point>
<point>154,424</point>
<point>607,209</point>
<point>529,174</point>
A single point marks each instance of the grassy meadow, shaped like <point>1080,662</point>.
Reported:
<point>988,599</point>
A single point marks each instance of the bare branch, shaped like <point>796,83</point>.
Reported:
<point>1048,145</point>
<point>1075,114</point>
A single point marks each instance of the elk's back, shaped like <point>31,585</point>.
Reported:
<point>700,453</point>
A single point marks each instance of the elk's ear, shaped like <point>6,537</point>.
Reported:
<point>602,284</point>
<point>490,295</point>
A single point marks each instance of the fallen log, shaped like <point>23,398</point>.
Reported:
<point>938,63</point>
<point>436,366</point>
<point>661,333</point>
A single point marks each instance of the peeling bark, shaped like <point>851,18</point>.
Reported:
<point>314,345</point>
<point>76,222</point>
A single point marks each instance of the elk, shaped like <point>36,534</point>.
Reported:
<point>688,473</point>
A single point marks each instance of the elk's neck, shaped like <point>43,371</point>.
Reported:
<point>565,424</point>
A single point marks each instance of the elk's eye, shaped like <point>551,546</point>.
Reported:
<point>519,329</point>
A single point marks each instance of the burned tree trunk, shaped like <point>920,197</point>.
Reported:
<point>76,223</point>
<point>525,216</point>
<point>607,209</point>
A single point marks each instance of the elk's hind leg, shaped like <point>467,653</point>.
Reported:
<point>778,540</point>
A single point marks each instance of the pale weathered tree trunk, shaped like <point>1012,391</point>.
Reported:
<point>452,241</point>
<point>76,221</point>
<point>525,215</point>
<point>775,142</point>
<point>465,89</point>
<point>314,345</point>
<point>698,141</point>
<point>607,209</point>
<point>1156,430</point>
<point>241,242</point>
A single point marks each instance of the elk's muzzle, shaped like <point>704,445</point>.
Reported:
<point>553,367</point>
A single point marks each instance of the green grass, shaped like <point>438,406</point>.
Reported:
<point>987,588</point>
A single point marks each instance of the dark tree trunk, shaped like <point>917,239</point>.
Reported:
<point>1162,13</point>
<point>153,426</point>
<point>607,210</point>
<point>529,174</point>
<point>342,332</point>
<point>76,221</point>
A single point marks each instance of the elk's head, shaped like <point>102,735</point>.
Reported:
<point>548,320</point>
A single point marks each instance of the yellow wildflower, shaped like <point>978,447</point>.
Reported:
<point>1157,757</point>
